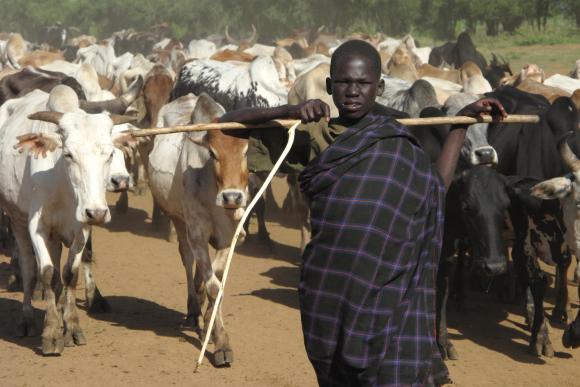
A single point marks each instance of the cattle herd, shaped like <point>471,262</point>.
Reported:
<point>66,103</point>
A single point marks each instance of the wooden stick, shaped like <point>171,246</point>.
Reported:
<point>512,119</point>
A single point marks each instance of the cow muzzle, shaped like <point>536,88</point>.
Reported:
<point>231,199</point>
<point>119,183</point>
<point>97,215</point>
<point>484,155</point>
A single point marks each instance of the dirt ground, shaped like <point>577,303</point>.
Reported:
<point>140,343</point>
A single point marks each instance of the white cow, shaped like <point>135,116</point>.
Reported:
<point>200,180</point>
<point>54,200</point>
<point>563,82</point>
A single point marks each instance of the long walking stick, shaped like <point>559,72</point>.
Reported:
<point>511,119</point>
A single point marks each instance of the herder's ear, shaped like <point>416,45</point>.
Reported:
<point>38,143</point>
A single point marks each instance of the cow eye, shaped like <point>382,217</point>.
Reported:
<point>68,156</point>
<point>212,154</point>
<point>111,156</point>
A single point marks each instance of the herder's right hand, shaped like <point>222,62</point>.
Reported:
<point>312,110</point>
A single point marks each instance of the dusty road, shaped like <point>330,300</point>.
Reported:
<point>140,343</point>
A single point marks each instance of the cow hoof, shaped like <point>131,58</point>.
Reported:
<point>448,352</point>
<point>26,327</point>
<point>52,345</point>
<point>538,349</point>
<point>74,337</point>
<point>191,322</point>
<point>99,304</point>
<point>559,317</point>
<point>568,338</point>
<point>452,353</point>
<point>264,239</point>
<point>223,357</point>
<point>14,284</point>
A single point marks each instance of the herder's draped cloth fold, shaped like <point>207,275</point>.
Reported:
<point>367,285</point>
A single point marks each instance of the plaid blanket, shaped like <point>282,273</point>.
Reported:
<point>367,285</point>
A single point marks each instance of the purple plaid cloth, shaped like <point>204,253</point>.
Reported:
<point>367,286</point>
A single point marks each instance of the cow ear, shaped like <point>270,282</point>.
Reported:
<point>556,188</point>
<point>38,143</point>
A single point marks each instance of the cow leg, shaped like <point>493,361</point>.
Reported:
<point>26,325</point>
<point>15,278</point>
<point>73,333</point>
<point>562,312</point>
<point>52,334</point>
<point>540,343</point>
<point>223,353</point>
<point>193,288</point>
<point>256,181</point>
<point>95,302</point>
<point>162,223</point>
<point>571,336</point>
<point>577,271</point>
<point>445,275</point>
<point>122,205</point>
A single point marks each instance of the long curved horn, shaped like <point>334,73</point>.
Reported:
<point>46,116</point>
<point>252,38</point>
<point>117,105</point>
<point>568,157</point>
<point>228,37</point>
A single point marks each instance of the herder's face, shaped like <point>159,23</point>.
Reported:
<point>354,86</point>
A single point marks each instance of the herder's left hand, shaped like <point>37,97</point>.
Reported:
<point>485,106</point>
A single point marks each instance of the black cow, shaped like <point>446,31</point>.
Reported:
<point>28,79</point>
<point>456,54</point>
<point>479,198</point>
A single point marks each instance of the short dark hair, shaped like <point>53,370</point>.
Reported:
<point>356,48</point>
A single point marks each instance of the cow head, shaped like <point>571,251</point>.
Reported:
<point>87,154</point>
<point>483,200</point>
<point>567,190</point>
<point>476,149</point>
<point>227,158</point>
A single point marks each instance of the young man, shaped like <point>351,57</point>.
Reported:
<point>367,284</point>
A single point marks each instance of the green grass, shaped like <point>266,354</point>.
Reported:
<point>555,50</point>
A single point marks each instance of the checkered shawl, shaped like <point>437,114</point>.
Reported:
<point>367,285</point>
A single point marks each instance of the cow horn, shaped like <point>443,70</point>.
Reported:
<point>252,38</point>
<point>568,157</point>
<point>122,119</point>
<point>117,105</point>
<point>46,116</point>
<point>228,37</point>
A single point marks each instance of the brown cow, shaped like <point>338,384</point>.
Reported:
<point>227,55</point>
<point>401,65</point>
<point>203,187</point>
<point>38,58</point>
<point>427,70</point>
<point>549,92</point>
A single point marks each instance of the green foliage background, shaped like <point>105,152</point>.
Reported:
<point>277,18</point>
